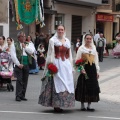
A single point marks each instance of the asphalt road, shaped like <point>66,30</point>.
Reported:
<point>31,110</point>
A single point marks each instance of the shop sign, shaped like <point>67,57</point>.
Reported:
<point>104,18</point>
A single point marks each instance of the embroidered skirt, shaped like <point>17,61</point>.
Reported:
<point>50,98</point>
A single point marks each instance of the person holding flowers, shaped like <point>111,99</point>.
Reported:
<point>87,88</point>
<point>57,84</point>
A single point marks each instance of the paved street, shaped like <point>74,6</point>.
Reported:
<point>107,109</point>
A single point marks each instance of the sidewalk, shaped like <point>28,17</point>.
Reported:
<point>109,79</point>
<point>110,84</point>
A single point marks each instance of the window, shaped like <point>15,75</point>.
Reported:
<point>1,30</point>
<point>59,19</point>
<point>118,7</point>
<point>105,1</point>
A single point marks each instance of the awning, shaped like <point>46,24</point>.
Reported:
<point>48,11</point>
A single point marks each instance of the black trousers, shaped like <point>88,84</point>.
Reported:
<point>100,53</point>
<point>22,80</point>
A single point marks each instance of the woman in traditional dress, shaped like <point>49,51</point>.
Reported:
<point>10,42</point>
<point>87,89</point>
<point>34,66</point>
<point>116,50</point>
<point>58,91</point>
<point>41,56</point>
<point>77,44</point>
<point>3,44</point>
<point>6,64</point>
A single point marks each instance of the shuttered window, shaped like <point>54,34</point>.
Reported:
<point>76,27</point>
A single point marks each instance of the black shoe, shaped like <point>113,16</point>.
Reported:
<point>83,109</point>
<point>18,99</point>
<point>90,109</point>
<point>23,98</point>
<point>58,110</point>
<point>41,68</point>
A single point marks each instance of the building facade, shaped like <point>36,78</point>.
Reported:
<point>108,18</point>
<point>4,18</point>
<point>77,16</point>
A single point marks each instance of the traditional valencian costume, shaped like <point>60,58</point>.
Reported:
<point>6,66</point>
<point>87,90</point>
<point>116,50</point>
<point>33,68</point>
<point>41,56</point>
<point>58,91</point>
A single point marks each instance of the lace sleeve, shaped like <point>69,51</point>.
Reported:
<point>50,53</point>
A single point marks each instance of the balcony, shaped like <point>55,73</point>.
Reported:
<point>90,3</point>
<point>107,8</point>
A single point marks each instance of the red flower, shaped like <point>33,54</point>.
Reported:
<point>52,68</point>
<point>79,62</point>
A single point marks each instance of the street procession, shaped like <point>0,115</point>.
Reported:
<point>59,59</point>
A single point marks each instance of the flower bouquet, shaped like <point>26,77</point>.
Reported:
<point>80,65</point>
<point>52,69</point>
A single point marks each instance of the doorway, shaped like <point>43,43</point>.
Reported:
<point>76,27</point>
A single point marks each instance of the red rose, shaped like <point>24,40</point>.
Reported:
<point>79,62</point>
<point>52,68</point>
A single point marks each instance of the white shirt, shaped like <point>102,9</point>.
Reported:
<point>96,37</point>
<point>27,49</point>
<point>100,45</point>
<point>78,44</point>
